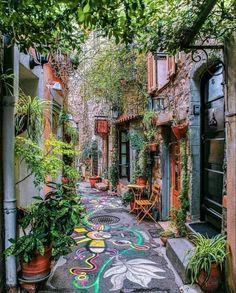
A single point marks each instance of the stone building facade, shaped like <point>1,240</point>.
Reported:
<point>200,93</point>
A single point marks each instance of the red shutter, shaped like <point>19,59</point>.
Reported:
<point>151,70</point>
<point>171,66</point>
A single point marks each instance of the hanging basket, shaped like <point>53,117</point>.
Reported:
<point>179,130</point>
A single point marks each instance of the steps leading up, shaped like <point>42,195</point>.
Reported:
<point>176,251</point>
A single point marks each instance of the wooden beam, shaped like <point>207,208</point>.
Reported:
<point>205,10</point>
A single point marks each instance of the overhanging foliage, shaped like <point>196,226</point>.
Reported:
<point>150,24</point>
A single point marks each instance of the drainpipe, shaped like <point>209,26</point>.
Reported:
<point>9,202</point>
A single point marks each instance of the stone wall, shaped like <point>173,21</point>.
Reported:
<point>230,199</point>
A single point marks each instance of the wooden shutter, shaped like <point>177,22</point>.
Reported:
<point>151,70</point>
<point>171,66</point>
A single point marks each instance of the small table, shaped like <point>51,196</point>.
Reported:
<point>137,191</point>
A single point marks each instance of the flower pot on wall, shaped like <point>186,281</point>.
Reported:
<point>211,282</point>
<point>179,130</point>
<point>152,147</point>
<point>38,267</point>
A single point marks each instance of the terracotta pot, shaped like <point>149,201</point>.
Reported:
<point>212,282</point>
<point>141,181</point>
<point>152,147</point>
<point>38,267</point>
<point>179,130</point>
<point>93,180</point>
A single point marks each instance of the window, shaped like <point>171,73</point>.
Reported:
<point>161,68</point>
<point>124,154</point>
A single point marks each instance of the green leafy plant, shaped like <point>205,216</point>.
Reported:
<point>206,252</point>
<point>167,233</point>
<point>148,119</point>
<point>178,216</point>
<point>42,162</point>
<point>71,132</point>
<point>49,222</point>
<point>127,197</point>
<point>114,169</point>
<point>136,140</point>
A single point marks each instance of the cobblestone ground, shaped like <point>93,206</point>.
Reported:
<point>114,253</point>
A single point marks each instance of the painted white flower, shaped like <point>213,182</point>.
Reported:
<point>140,271</point>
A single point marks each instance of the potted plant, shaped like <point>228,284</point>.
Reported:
<point>179,129</point>
<point>164,235</point>
<point>150,139</point>
<point>128,199</point>
<point>206,261</point>
<point>49,223</point>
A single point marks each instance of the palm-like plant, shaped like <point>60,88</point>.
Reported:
<point>206,252</point>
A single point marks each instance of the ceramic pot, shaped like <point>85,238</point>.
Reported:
<point>93,180</point>
<point>212,282</point>
<point>38,267</point>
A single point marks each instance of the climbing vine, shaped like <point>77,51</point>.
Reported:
<point>178,216</point>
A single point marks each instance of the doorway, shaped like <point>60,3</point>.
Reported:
<point>175,174</point>
<point>212,146</point>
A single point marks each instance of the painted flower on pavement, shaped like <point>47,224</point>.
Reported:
<point>140,271</point>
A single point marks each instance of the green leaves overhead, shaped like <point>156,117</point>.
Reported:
<point>150,24</point>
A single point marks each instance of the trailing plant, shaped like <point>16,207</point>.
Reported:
<point>206,252</point>
<point>136,140</point>
<point>49,223</point>
<point>148,119</point>
<point>114,168</point>
<point>71,132</point>
<point>178,216</point>
<point>127,197</point>
<point>42,162</point>
<point>31,113</point>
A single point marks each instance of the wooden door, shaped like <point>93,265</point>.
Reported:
<point>175,175</point>
<point>213,143</point>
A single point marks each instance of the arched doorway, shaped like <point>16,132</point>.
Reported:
<point>212,145</point>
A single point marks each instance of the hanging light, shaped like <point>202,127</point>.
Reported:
<point>115,112</point>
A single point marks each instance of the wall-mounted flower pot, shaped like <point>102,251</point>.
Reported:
<point>38,267</point>
<point>211,282</point>
<point>153,147</point>
<point>93,180</point>
<point>141,181</point>
<point>179,130</point>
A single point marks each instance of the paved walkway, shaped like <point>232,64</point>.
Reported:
<point>114,254</point>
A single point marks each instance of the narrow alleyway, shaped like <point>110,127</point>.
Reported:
<point>114,254</point>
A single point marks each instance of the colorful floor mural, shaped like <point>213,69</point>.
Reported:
<point>110,257</point>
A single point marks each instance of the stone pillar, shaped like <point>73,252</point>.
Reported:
<point>230,199</point>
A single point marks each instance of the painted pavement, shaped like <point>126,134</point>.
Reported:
<point>114,257</point>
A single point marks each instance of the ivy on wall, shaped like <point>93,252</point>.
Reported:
<point>114,73</point>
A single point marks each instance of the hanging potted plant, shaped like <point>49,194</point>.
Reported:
<point>150,136</point>
<point>179,129</point>
<point>206,261</point>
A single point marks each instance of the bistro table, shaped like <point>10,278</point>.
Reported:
<point>137,191</point>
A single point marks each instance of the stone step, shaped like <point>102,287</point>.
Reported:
<point>176,251</point>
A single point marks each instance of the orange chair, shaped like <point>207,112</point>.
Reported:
<point>145,205</point>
